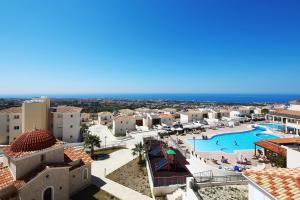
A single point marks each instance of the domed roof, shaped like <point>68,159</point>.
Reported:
<point>33,140</point>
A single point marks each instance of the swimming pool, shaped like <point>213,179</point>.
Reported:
<point>229,142</point>
<point>274,126</point>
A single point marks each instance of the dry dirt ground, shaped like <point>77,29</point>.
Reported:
<point>237,192</point>
<point>133,176</point>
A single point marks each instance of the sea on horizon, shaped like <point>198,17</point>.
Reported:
<point>217,98</point>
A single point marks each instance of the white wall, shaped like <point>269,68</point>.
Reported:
<point>57,125</point>
<point>184,118</point>
<point>105,118</point>
<point>234,114</point>
<point>3,127</point>
<point>294,107</point>
<point>121,125</point>
<point>291,162</point>
<point>71,126</point>
<point>255,193</point>
<point>13,133</point>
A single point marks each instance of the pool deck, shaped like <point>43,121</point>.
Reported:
<point>232,157</point>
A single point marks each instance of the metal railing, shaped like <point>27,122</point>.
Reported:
<point>220,179</point>
<point>166,181</point>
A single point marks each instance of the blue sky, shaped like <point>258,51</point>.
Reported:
<point>170,46</point>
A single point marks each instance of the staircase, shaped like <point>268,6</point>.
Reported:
<point>179,194</point>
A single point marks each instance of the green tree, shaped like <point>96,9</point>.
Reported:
<point>139,149</point>
<point>264,111</point>
<point>84,129</point>
<point>90,141</point>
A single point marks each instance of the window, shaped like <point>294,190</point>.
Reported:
<point>121,122</point>
<point>43,158</point>
<point>71,126</point>
<point>16,127</point>
<point>71,136</point>
<point>16,117</point>
<point>71,116</point>
<point>85,174</point>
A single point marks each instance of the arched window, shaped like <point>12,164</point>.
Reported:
<point>48,193</point>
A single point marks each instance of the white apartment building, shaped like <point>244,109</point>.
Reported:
<point>105,118</point>
<point>122,124</point>
<point>10,124</point>
<point>167,119</point>
<point>193,116</point>
<point>66,123</point>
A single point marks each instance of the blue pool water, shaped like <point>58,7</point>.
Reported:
<point>274,126</point>
<point>244,140</point>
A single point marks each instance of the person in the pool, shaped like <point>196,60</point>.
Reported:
<point>235,143</point>
<point>217,142</point>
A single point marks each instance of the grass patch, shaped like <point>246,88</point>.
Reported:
<point>93,193</point>
<point>132,175</point>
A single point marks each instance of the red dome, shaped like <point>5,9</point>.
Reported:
<point>33,140</point>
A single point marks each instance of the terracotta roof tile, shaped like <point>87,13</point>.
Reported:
<point>73,154</point>
<point>12,110</point>
<point>6,178</point>
<point>30,142</point>
<point>287,112</point>
<point>282,183</point>
<point>33,140</point>
<point>66,109</point>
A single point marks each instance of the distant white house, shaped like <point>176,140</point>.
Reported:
<point>122,124</point>
<point>151,120</point>
<point>167,119</point>
<point>105,118</point>
<point>193,116</point>
<point>235,114</point>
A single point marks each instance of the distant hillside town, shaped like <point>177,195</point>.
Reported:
<point>184,150</point>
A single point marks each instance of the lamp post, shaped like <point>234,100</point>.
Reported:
<point>194,143</point>
<point>105,141</point>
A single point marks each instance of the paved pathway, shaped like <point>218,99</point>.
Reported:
<point>116,160</point>
<point>104,134</point>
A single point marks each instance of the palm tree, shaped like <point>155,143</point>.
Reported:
<point>138,149</point>
<point>90,141</point>
<point>84,129</point>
